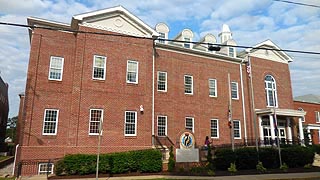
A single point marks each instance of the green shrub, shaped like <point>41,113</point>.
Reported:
<point>284,167</point>
<point>211,172</point>
<point>260,167</point>
<point>297,156</point>
<point>81,164</point>
<point>223,158</point>
<point>172,162</point>
<point>316,148</point>
<point>307,166</point>
<point>269,157</point>
<point>233,168</point>
<point>246,158</point>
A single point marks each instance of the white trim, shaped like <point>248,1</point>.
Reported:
<point>104,67</point>
<point>62,63</point>
<point>137,72</point>
<point>217,120</point>
<point>101,121</point>
<point>215,88</point>
<point>233,82</point>
<point>45,172</point>
<point>166,82</point>
<point>166,125</point>
<point>118,10</point>
<point>185,122</point>
<point>239,128</point>
<point>184,78</point>
<point>56,127</point>
<point>135,123</point>
<point>317,117</point>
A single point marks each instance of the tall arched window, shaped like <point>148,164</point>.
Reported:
<point>271,91</point>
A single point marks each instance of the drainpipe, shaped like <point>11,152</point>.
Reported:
<point>243,105</point>
<point>15,158</point>
<point>153,81</point>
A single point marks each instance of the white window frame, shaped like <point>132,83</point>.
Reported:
<point>187,43</point>
<point>214,88</point>
<point>104,67</point>
<point>166,82</point>
<point>165,126</point>
<point>56,122</point>
<point>137,72</point>
<point>45,172</point>
<point>237,90</point>
<point>52,68</point>
<point>191,93</point>
<point>238,121</point>
<point>161,37</point>
<point>317,116</point>
<point>273,89</point>
<point>211,128</point>
<point>188,127</point>
<point>231,51</point>
<point>90,121</point>
<point>135,123</point>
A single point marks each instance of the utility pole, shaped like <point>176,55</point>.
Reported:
<point>230,114</point>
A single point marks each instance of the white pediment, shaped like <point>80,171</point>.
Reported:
<point>116,19</point>
<point>269,51</point>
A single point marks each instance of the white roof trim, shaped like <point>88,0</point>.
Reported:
<point>270,43</point>
<point>283,112</point>
<point>81,17</point>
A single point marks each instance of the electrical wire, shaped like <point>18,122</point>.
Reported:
<point>169,40</point>
<point>297,3</point>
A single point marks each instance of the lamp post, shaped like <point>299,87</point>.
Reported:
<point>99,142</point>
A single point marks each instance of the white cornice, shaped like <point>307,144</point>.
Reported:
<point>284,112</point>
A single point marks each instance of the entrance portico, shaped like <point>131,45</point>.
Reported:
<point>283,122</point>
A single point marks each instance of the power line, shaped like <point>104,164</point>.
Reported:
<point>297,3</point>
<point>169,40</point>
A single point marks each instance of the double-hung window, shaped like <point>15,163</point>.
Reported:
<point>188,84</point>
<point>161,37</point>
<point>190,124</point>
<point>130,123</point>
<point>162,125</point>
<point>99,67</point>
<point>56,68</point>
<point>45,168</point>
<point>162,81</point>
<point>96,117</point>
<point>214,125</point>
<point>317,117</point>
<point>187,43</point>
<point>234,90</point>
<point>231,51</point>
<point>50,122</point>
<point>132,72</point>
<point>236,129</point>
<point>212,87</point>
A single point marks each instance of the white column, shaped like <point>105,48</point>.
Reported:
<point>301,131</point>
<point>261,130</point>
<point>273,135</point>
<point>309,135</point>
<point>289,132</point>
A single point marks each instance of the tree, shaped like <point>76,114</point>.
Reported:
<point>12,127</point>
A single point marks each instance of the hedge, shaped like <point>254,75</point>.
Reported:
<point>132,161</point>
<point>247,158</point>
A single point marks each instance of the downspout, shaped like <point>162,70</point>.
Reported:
<point>15,159</point>
<point>153,81</point>
<point>243,106</point>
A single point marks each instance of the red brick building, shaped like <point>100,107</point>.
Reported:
<point>4,112</point>
<point>311,123</point>
<point>111,69</point>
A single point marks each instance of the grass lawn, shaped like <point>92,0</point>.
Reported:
<point>1,178</point>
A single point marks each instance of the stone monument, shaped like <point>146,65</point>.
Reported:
<point>187,151</point>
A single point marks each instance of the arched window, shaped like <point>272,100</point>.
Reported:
<point>271,91</point>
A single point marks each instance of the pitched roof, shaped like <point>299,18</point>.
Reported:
<point>310,98</point>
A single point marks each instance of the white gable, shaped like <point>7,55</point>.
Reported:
<point>116,19</point>
<point>274,54</point>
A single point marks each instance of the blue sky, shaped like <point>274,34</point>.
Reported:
<point>251,21</point>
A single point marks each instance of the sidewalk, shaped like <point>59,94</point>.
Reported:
<point>291,176</point>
